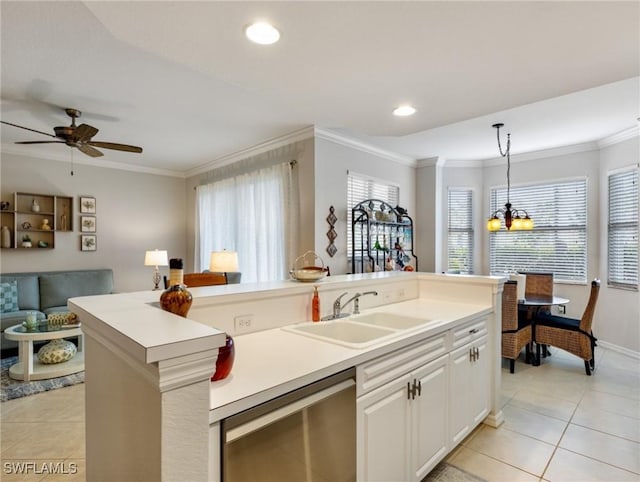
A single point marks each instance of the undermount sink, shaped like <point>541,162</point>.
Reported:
<point>358,331</point>
<point>390,320</point>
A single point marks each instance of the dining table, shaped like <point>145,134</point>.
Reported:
<point>535,304</point>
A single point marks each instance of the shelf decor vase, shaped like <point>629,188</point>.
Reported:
<point>35,207</point>
<point>224,363</point>
<point>176,298</point>
<point>6,237</point>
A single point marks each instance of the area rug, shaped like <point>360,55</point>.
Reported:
<point>15,388</point>
<point>443,472</point>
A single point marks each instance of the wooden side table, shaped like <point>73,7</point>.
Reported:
<point>28,366</point>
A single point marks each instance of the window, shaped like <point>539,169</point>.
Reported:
<point>359,188</point>
<point>558,241</point>
<point>254,214</point>
<point>460,240</point>
<point>623,230</point>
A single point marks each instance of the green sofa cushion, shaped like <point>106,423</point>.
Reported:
<point>57,288</point>
<point>9,296</point>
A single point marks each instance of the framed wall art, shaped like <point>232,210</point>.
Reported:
<point>88,224</point>
<point>88,242</point>
<point>87,205</point>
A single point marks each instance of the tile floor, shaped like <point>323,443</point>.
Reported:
<point>560,425</point>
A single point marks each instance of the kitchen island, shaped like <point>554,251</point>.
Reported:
<point>152,413</point>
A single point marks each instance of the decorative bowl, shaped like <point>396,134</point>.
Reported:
<point>309,273</point>
<point>305,268</point>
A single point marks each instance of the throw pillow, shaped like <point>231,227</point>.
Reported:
<point>9,297</point>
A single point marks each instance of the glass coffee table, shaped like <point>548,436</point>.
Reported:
<point>28,366</point>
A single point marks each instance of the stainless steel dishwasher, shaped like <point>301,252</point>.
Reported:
<point>306,435</point>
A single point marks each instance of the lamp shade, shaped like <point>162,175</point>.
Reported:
<point>156,258</point>
<point>223,262</point>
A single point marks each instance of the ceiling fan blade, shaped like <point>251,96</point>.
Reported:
<point>89,151</point>
<point>40,142</point>
<point>117,147</point>
<point>84,132</point>
<point>27,128</point>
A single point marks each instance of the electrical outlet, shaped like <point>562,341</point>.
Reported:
<point>243,323</point>
<point>400,294</point>
<point>562,309</point>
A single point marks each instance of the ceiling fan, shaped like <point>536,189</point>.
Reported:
<point>77,136</point>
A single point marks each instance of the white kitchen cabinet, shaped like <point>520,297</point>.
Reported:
<point>469,388</point>
<point>402,426</point>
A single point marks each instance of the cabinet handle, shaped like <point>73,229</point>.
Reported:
<point>474,330</point>
<point>477,352</point>
<point>419,388</point>
<point>408,391</point>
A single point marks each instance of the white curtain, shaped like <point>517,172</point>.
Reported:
<point>255,214</point>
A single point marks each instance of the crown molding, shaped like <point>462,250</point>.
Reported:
<point>89,161</point>
<point>276,142</point>
<point>364,147</point>
<point>544,153</point>
<point>431,161</point>
<point>619,137</point>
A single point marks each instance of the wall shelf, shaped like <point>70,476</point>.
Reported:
<point>25,219</point>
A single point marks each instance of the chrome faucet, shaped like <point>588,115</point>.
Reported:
<point>338,306</point>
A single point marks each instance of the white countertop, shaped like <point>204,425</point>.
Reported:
<point>136,322</point>
<point>273,362</point>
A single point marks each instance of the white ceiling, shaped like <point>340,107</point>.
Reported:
<point>181,80</point>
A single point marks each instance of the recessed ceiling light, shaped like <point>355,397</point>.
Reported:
<point>262,33</point>
<point>404,110</point>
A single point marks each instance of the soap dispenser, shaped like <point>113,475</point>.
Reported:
<point>315,305</point>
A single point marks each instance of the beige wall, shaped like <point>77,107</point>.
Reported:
<point>332,163</point>
<point>135,212</point>
<point>623,329</point>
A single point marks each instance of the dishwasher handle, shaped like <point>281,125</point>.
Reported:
<point>282,412</point>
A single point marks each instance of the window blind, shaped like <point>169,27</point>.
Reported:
<point>558,241</point>
<point>360,188</point>
<point>623,230</point>
<point>460,238</point>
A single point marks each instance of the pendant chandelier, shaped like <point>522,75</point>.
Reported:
<point>514,219</point>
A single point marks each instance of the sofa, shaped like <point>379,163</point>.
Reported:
<point>47,293</point>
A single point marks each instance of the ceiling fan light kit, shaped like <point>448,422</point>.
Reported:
<point>77,136</point>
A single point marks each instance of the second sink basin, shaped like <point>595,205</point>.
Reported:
<point>359,331</point>
<point>390,320</point>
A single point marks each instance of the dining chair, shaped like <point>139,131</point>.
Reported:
<point>538,286</point>
<point>516,331</point>
<point>193,280</point>
<point>572,335</point>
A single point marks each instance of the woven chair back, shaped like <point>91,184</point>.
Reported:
<point>193,280</point>
<point>510,306</point>
<point>539,285</point>
<point>586,322</point>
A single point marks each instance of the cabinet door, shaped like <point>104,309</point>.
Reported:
<point>383,433</point>
<point>429,417</point>
<point>460,394</point>
<point>480,381</point>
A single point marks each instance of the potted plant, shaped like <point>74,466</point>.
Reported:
<point>26,241</point>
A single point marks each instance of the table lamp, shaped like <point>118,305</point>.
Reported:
<point>223,262</point>
<point>156,258</point>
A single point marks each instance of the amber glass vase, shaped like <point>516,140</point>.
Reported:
<point>176,298</point>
